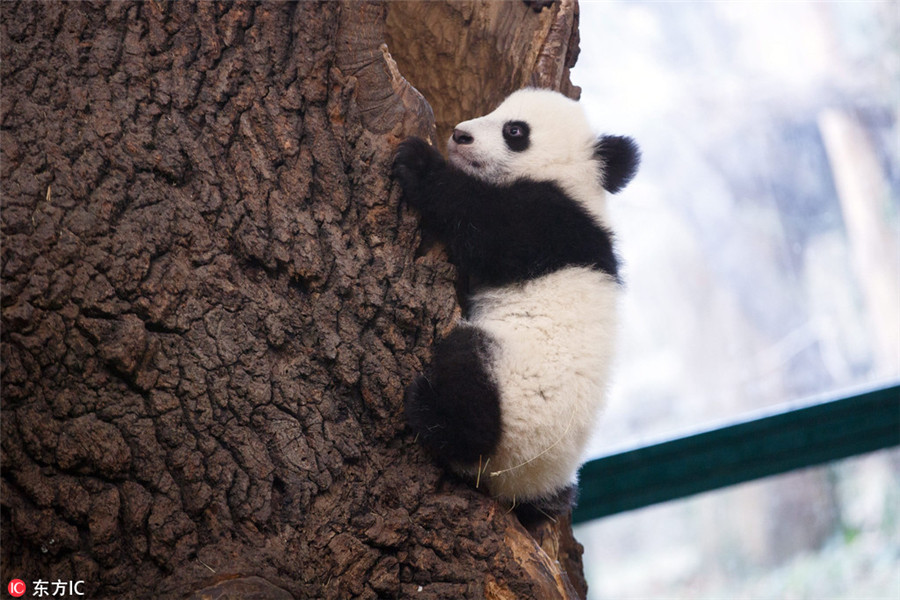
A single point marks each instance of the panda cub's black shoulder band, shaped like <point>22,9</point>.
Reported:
<point>526,230</point>
<point>501,234</point>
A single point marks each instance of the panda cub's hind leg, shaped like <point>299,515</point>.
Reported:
<point>455,407</point>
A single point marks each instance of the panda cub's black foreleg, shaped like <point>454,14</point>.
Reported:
<point>455,407</point>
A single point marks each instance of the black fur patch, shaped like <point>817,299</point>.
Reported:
<point>455,408</point>
<point>548,508</point>
<point>516,134</point>
<point>620,156</point>
<point>499,235</point>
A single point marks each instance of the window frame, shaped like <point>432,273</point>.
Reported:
<point>793,437</point>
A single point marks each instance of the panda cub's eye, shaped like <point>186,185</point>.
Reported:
<point>514,129</point>
<point>516,135</point>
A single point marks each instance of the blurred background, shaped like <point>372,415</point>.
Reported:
<point>761,250</point>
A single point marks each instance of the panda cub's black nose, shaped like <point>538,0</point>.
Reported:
<point>462,137</point>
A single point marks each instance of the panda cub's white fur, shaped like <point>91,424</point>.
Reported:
<point>551,367</point>
<point>513,393</point>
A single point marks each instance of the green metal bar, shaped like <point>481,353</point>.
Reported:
<point>816,433</point>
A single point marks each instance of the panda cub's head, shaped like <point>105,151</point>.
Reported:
<point>542,135</point>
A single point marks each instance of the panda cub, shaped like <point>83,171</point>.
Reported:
<point>513,391</point>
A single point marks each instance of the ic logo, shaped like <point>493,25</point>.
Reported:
<point>16,588</point>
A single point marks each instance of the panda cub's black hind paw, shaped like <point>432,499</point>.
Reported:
<point>412,403</point>
<point>421,412</point>
<point>413,160</point>
<point>430,416</point>
<point>549,508</point>
<point>455,410</point>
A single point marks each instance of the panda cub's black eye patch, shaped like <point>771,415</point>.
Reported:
<point>516,135</point>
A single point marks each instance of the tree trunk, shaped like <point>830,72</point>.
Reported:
<point>212,299</point>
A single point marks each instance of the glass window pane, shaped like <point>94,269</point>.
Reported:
<point>824,533</point>
<point>761,239</point>
<point>761,251</point>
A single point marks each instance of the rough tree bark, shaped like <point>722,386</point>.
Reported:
<point>212,299</point>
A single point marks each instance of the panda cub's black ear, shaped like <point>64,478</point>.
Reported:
<point>620,157</point>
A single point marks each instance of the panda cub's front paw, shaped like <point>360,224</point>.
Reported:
<point>413,161</point>
<point>415,156</point>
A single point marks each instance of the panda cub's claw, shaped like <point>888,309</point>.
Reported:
<point>413,161</point>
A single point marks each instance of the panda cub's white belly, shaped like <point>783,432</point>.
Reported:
<point>554,338</point>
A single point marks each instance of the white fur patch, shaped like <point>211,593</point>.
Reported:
<point>555,339</point>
